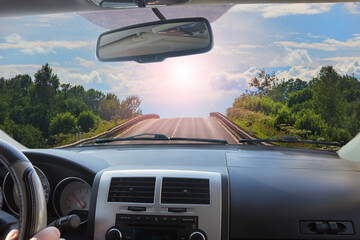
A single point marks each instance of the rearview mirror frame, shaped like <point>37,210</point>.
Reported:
<point>160,56</point>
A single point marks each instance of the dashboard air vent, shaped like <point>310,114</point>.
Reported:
<point>185,191</point>
<point>132,189</point>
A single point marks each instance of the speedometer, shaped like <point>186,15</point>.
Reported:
<point>72,196</point>
<point>11,194</point>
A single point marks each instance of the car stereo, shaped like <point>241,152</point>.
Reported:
<point>149,227</point>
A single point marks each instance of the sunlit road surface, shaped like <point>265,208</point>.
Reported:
<point>208,128</point>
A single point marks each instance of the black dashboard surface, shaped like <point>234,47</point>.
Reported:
<point>272,191</point>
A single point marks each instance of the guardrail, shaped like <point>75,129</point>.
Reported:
<point>114,130</point>
<point>231,126</point>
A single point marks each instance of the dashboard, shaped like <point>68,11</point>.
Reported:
<point>197,192</point>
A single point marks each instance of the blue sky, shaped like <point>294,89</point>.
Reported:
<point>292,40</point>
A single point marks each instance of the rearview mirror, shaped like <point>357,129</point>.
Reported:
<point>155,41</point>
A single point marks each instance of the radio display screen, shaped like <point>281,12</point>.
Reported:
<point>154,234</point>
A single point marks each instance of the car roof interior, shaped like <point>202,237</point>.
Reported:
<point>37,7</point>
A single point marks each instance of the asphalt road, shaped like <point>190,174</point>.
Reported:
<point>182,127</point>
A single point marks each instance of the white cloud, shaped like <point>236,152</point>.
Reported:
<point>237,49</point>
<point>13,38</point>
<point>353,8</point>
<point>85,63</point>
<point>53,17</point>
<point>348,67</point>
<point>77,78</point>
<point>314,45</point>
<point>37,25</point>
<point>15,41</point>
<point>8,71</point>
<point>304,73</point>
<point>278,10</point>
<point>228,81</point>
<point>341,59</point>
<point>326,45</point>
<point>293,57</point>
<point>1,57</point>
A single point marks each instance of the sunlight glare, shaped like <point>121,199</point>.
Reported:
<point>183,75</point>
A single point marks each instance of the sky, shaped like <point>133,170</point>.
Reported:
<point>290,40</point>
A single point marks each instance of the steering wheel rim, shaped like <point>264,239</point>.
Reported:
<point>32,204</point>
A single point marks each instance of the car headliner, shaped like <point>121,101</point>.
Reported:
<point>36,7</point>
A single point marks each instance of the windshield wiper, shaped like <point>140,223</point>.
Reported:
<point>288,139</point>
<point>158,137</point>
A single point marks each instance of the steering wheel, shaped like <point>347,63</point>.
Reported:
<point>32,204</point>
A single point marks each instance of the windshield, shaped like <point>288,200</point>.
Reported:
<point>274,70</point>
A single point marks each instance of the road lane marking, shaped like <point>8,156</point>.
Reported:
<point>177,124</point>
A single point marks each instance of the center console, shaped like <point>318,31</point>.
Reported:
<point>158,204</point>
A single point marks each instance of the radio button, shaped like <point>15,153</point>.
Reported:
<point>174,219</point>
<point>113,234</point>
<point>124,217</point>
<point>139,218</point>
<point>188,219</point>
<point>197,236</point>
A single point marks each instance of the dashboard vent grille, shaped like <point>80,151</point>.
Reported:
<point>132,189</point>
<point>185,191</point>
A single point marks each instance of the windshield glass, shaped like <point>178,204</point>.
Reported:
<point>290,69</point>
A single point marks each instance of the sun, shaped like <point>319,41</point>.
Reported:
<point>183,75</point>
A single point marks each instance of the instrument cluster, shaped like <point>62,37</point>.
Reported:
<point>71,195</point>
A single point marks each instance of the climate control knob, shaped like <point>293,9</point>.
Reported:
<point>113,234</point>
<point>197,236</point>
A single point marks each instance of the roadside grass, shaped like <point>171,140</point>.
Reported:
<point>260,130</point>
<point>263,127</point>
<point>100,127</point>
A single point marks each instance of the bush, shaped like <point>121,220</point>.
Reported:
<point>283,117</point>
<point>338,134</point>
<point>86,120</point>
<point>62,123</point>
<point>308,120</point>
<point>29,136</point>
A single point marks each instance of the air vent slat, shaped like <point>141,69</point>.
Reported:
<point>185,191</point>
<point>132,189</point>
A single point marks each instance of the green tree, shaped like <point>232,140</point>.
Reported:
<point>300,96</point>
<point>46,85</point>
<point>281,91</point>
<point>38,115</point>
<point>109,107</point>
<point>62,123</point>
<point>328,99</point>
<point>29,136</point>
<point>17,115</point>
<point>86,120</point>
<point>3,111</point>
<point>73,105</point>
<point>92,98</point>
